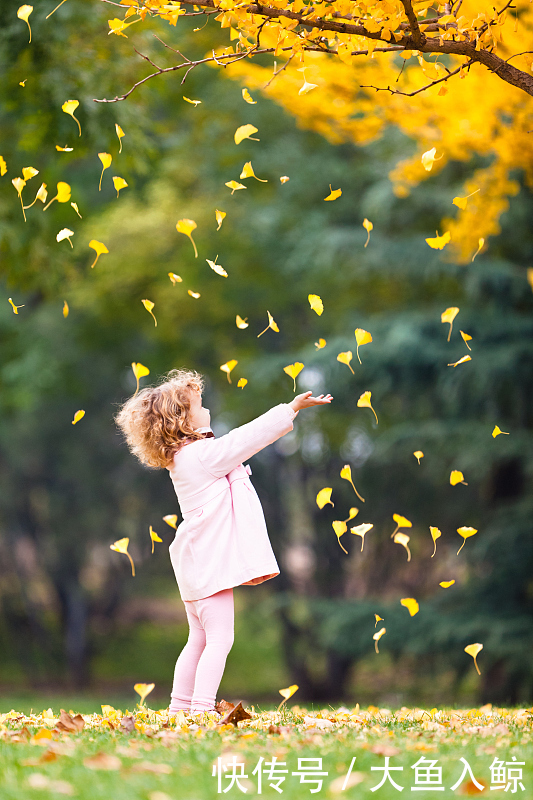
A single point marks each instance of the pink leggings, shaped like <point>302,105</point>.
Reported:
<point>201,663</point>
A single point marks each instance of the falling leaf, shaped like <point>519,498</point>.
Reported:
<point>14,307</point>
<point>333,194</point>
<point>364,402</point>
<point>106,159</point>
<point>448,316</point>
<point>340,529</point>
<point>324,497</point>
<point>41,195</point>
<point>346,473</point>
<point>362,337</point>
<point>316,303</point>
<point>428,158</point>
<point>192,102</point>
<point>368,226</point>
<point>143,689</point>
<point>121,546</point>
<point>440,241</point>
<point>446,584</point>
<point>193,294</point>
<point>457,477</point>
<point>171,519</point>
<point>435,534</point>
<point>473,650</point>
<point>461,361</point>
<point>63,194</point>
<point>410,604</point>
<point>23,83</point>
<point>3,166</point>
<point>139,371</point>
<point>378,619</point>
<point>186,226</point>
<point>29,172</point>
<point>496,432</point>
<point>76,209</point>
<point>217,267</point>
<point>345,358</point>
<point>148,306</point>
<point>403,538</point>
<point>119,183</point>
<point>245,132</point>
<point>65,233</point>
<point>69,107</point>
<point>306,87</point>
<point>288,693</point>
<point>154,537</point>
<point>466,338</point>
<point>401,522</point>
<point>320,344</point>
<point>116,26</point>
<point>55,9</point>
<point>100,249</point>
<point>377,636</point>
<point>241,323</point>
<point>465,533</point>
<point>64,149</point>
<point>228,366</point>
<point>65,308</point>
<point>241,383</point>
<point>220,217</point>
<point>529,271</point>
<point>293,370</point>
<point>246,96</point>
<point>460,202</point>
<point>175,278</point>
<point>248,172</point>
<point>353,513</point>
<point>418,454</point>
<point>360,530</point>
<point>481,242</point>
<point>24,13</point>
<point>120,134</point>
<point>77,416</point>
<point>284,178</point>
<point>19,185</point>
<point>234,186</point>
<point>271,324</point>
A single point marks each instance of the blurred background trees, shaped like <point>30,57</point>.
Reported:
<point>70,612</point>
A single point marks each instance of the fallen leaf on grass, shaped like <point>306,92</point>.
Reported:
<point>234,715</point>
<point>40,781</point>
<point>151,766</point>
<point>127,725</point>
<point>70,724</point>
<point>384,750</point>
<point>102,761</point>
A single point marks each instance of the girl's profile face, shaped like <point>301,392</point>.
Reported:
<point>200,416</point>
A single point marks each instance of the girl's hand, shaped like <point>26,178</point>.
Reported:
<point>306,400</point>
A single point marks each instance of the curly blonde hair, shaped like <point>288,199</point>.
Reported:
<point>157,420</point>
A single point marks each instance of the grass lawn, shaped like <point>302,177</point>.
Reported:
<point>162,759</point>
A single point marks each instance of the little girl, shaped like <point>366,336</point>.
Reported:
<point>222,541</point>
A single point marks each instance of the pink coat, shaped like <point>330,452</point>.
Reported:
<point>223,540</point>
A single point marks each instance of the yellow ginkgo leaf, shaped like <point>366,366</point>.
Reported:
<point>245,132</point>
<point>361,530</point>
<point>460,202</point>
<point>220,217</point>
<point>14,307</point>
<point>196,295</point>
<point>119,183</point>
<point>100,249</point>
<point>77,416</point>
<point>287,693</point>
<point>69,107</point>
<point>446,584</point>
<point>65,308</point>
<point>448,316</point>
<point>403,539</point>
<point>345,358</point>
<point>76,209</point>
<point>248,172</point>
<point>65,233</point>
<point>148,306</point>
<point>377,636</point>
<point>378,619</point>
<point>346,473</point>
<point>19,184</point>
<point>192,102</point>
<point>234,185</point>
<point>340,528</point>
<point>241,383</point>
<point>64,149</point>
<point>116,26</point>
<point>473,650</point>
<point>24,13</point>
<point>529,270</point>
<point>439,241</point>
<point>228,366</point>
<point>293,370</point>
<point>139,370</point>
<point>217,267</point>
<point>246,96</point>
<point>284,178</point>
<point>481,242</point>
<point>306,87</point>
<point>143,689</point>
<point>461,361</point>
<point>106,159</point>
<point>368,226</point>
<point>29,172</point>
<point>362,337</point>
<point>121,546</point>
<point>186,226</point>
<point>418,454</point>
<point>428,158</point>
<point>324,497</point>
<point>171,519</point>
<point>271,324</point>
<point>154,537</point>
<point>120,134</point>
<point>333,193</point>
<point>316,303</point>
<point>496,432</point>
<point>401,522</point>
<point>364,402</point>
<point>320,344</point>
<point>175,278</point>
<point>435,534</point>
<point>466,338</point>
<point>465,532</point>
<point>3,166</point>
<point>410,604</point>
<point>353,513</point>
<point>23,83</point>
<point>63,194</point>
<point>456,476</point>
<point>240,322</point>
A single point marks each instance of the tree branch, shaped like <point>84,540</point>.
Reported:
<point>416,33</point>
<point>423,88</point>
